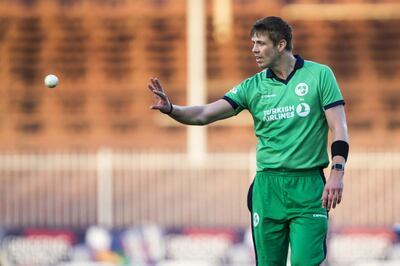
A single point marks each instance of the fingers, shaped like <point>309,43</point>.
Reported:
<point>156,84</point>
<point>339,200</point>
<point>331,198</point>
<point>155,87</point>
<point>152,87</point>
<point>324,198</point>
<point>160,94</point>
<point>162,101</point>
<point>334,199</point>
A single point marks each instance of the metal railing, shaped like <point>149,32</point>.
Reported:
<point>125,188</point>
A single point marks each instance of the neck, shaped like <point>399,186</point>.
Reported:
<point>284,66</point>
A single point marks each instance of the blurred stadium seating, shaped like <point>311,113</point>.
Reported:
<point>104,60</point>
<point>57,177</point>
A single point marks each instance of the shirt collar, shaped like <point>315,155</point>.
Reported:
<point>299,64</point>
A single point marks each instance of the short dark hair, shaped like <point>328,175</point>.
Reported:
<point>276,29</point>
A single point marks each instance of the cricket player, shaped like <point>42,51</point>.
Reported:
<point>294,103</point>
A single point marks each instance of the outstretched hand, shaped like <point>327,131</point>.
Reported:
<point>162,101</point>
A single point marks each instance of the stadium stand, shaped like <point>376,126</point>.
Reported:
<point>104,61</point>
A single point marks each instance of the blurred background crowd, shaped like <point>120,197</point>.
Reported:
<point>90,176</point>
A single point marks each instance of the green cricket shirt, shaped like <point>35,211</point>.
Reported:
<point>289,118</point>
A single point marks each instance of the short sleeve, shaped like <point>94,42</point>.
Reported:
<point>237,97</point>
<point>329,89</point>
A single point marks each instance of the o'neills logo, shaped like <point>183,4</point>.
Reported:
<point>279,113</point>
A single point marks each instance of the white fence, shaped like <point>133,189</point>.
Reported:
<point>125,188</point>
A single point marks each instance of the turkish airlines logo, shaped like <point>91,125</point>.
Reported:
<point>303,109</point>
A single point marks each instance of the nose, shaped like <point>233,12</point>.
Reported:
<point>255,49</point>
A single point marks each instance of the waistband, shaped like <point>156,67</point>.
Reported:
<point>292,172</point>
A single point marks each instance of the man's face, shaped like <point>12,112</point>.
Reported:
<point>266,53</point>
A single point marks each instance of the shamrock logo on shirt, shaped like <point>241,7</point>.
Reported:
<point>301,89</point>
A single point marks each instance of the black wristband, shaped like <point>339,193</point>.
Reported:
<point>170,110</point>
<point>340,147</point>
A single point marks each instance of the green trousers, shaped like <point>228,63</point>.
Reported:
<point>286,209</point>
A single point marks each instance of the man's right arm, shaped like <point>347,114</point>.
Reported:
<point>189,115</point>
<point>202,114</point>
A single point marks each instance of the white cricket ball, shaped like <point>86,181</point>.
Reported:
<point>51,81</point>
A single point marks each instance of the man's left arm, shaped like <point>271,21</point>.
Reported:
<point>333,190</point>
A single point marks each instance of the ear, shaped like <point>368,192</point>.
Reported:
<point>281,45</point>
